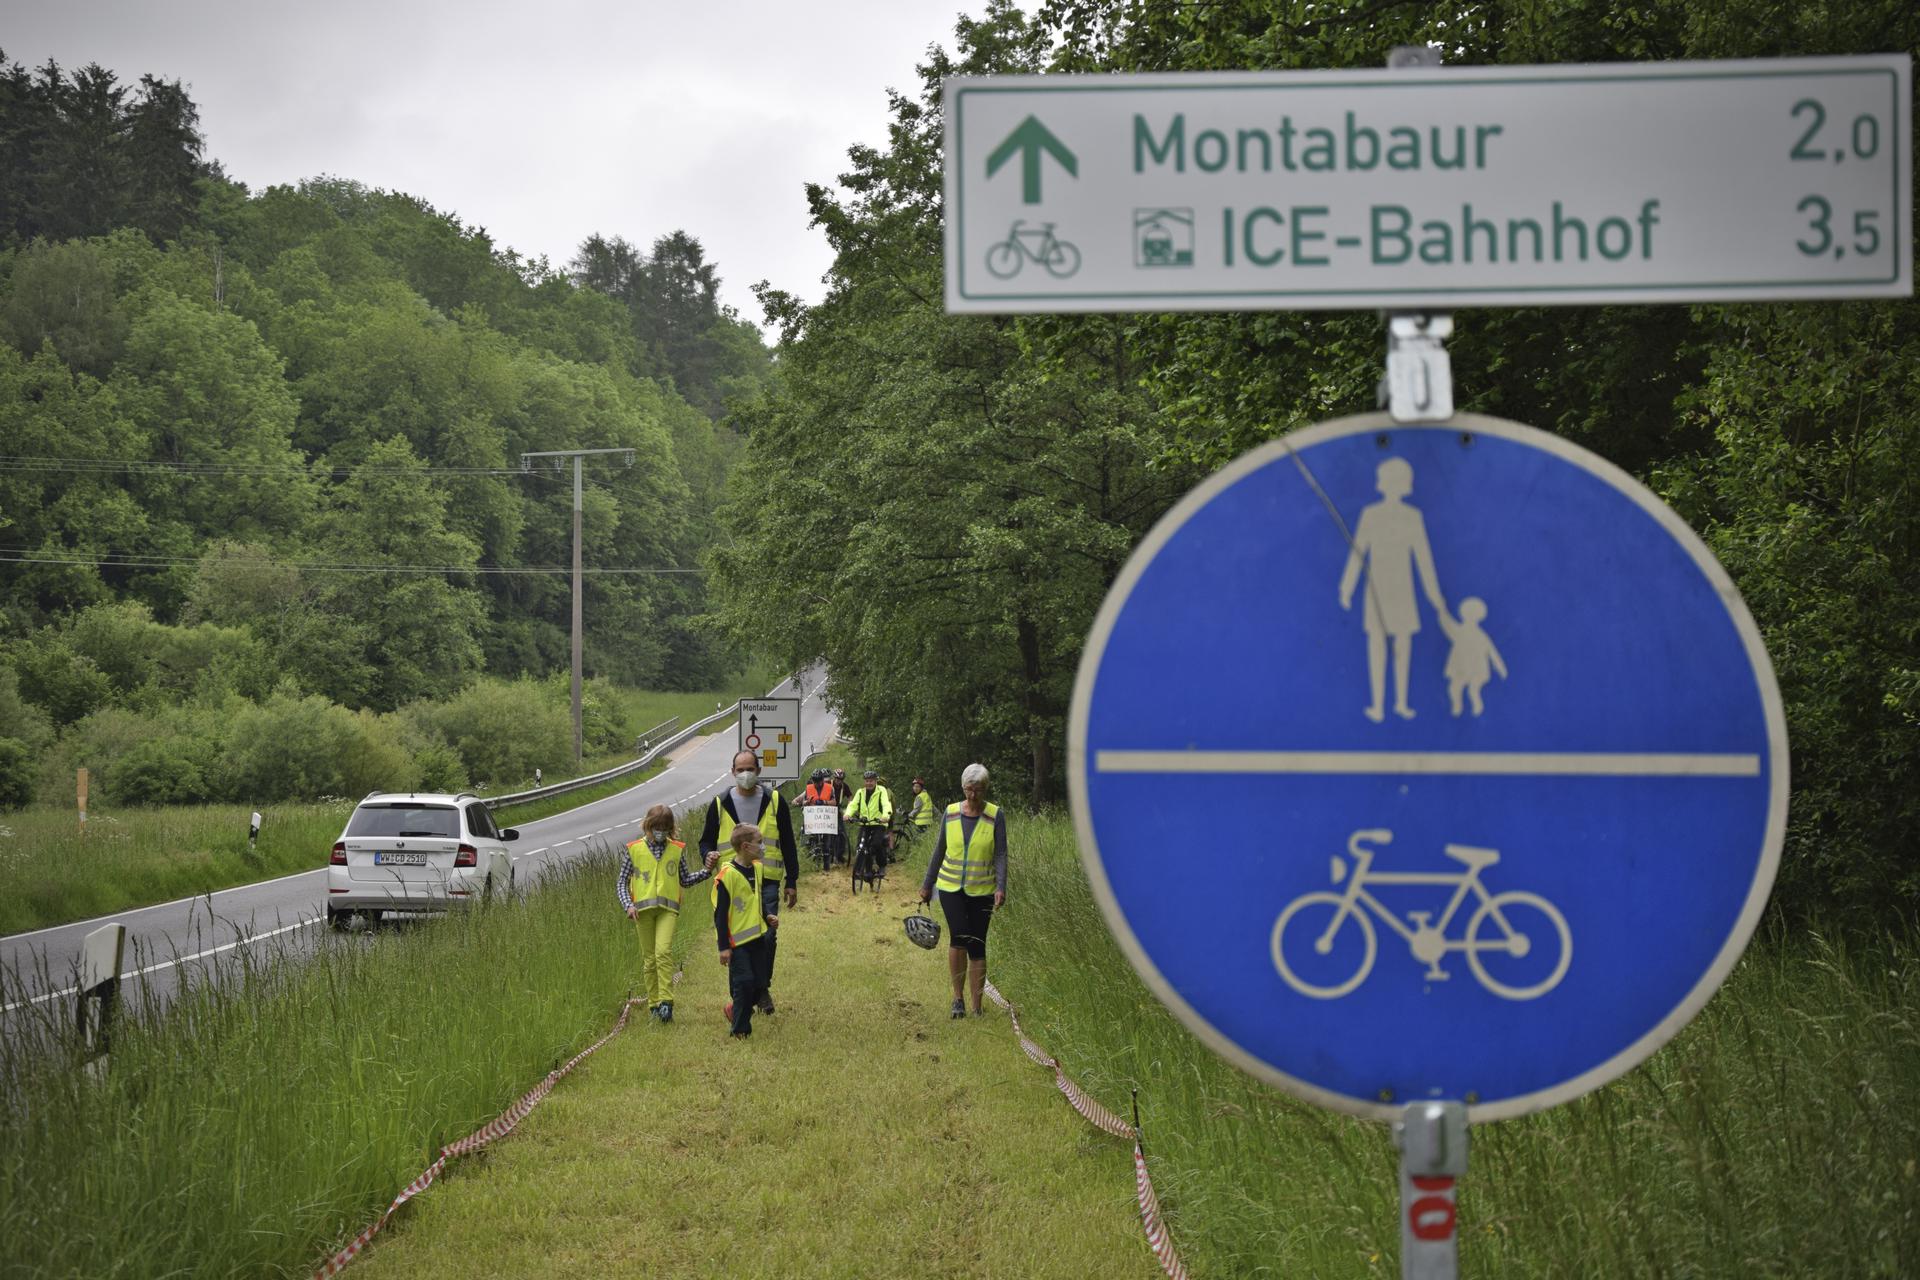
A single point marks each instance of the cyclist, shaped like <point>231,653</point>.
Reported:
<point>871,809</point>
<point>820,793</point>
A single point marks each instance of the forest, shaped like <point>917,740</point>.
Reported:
<point>260,473</point>
<point>966,487</point>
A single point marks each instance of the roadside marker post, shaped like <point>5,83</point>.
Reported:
<point>99,994</point>
<point>80,788</point>
<point>1582,700</point>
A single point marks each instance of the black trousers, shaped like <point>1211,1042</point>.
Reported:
<point>746,980</point>
<point>770,906</point>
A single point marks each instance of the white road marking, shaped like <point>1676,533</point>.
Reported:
<point>249,940</point>
<point>74,924</point>
<point>1604,764</point>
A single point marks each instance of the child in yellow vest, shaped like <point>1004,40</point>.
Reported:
<point>653,871</point>
<point>742,926</point>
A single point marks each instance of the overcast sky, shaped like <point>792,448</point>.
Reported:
<point>543,122</point>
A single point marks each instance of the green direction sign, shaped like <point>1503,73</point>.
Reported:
<point>1432,188</point>
<point>1030,141</point>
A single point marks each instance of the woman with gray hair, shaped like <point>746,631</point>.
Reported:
<point>969,864</point>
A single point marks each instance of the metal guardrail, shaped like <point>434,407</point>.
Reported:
<point>618,771</point>
<point>648,738</point>
<point>632,766</point>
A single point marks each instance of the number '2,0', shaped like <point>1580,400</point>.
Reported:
<point>1865,139</point>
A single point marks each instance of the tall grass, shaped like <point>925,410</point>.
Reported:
<point>1776,1136</point>
<point>272,1114</point>
<point>134,857</point>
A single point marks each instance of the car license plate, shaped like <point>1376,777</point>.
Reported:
<point>399,858</point>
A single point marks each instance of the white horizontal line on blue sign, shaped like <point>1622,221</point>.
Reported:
<point>1554,763</point>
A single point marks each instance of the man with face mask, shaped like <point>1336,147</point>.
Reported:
<point>749,800</point>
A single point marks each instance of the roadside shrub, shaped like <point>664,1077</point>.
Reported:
<point>290,748</point>
<point>16,773</point>
<point>64,684</point>
<point>503,730</point>
<point>170,770</point>
<point>94,743</point>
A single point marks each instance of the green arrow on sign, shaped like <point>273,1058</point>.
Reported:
<point>1029,140</point>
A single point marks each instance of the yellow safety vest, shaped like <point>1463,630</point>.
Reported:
<point>772,861</point>
<point>744,921</point>
<point>968,867</point>
<point>874,806</point>
<point>655,882</point>
<point>922,814</point>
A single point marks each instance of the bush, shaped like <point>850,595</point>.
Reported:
<point>290,748</point>
<point>16,773</point>
<point>170,770</point>
<point>503,730</point>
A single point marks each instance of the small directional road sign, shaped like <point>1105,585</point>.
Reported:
<point>1432,762</point>
<point>770,728</point>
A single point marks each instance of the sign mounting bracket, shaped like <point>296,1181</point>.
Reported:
<point>1418,386</point>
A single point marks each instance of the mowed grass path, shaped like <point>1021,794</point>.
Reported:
<point>860,1132</point>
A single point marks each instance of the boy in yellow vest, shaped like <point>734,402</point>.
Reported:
<point>653,871</point>
<point>743,927</point>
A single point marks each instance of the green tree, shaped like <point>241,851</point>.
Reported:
<point>63,295</point>
<point>936,503</point>
<point>422,629</point>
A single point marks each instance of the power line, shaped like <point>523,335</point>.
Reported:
<point>118,560</point>
<point>133,466</point>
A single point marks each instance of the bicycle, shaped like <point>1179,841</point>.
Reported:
<point>1060,258</point>
<point>820,849</point>
<point>870,855</point>
<point>1426,941</point>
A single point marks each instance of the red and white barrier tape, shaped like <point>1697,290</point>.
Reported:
<point>497,1128</point>
<point>1157,1238</point>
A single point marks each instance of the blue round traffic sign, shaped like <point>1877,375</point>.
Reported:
<point>1428,762</point>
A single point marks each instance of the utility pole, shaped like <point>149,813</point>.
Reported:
<point>559,457</point>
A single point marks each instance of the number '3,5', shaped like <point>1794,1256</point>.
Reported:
<point>1819,212</point>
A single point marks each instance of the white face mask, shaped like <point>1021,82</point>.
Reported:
<point>746,779</point>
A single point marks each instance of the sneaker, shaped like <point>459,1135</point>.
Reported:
<point>664,1012</point>
<point>766,1005</point>
<point>739,1035</point>
<point>979,1013</point>
<point>959,1008</point>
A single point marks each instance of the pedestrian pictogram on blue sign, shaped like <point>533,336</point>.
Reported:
<point>1433,762</point>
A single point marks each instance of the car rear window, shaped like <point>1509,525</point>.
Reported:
<point>405,820</point>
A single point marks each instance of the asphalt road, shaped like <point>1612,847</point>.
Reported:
<point>174,940</point>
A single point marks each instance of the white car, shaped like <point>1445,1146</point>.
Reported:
<point>417,852</point>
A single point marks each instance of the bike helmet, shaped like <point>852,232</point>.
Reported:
<point>922,929</point>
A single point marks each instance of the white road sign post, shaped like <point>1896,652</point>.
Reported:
<point>1431,188</point>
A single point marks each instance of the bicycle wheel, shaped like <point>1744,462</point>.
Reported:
<point>1004,259</point>
<point>1312,914</point>
<point>1528,923</point>
<point>1063,261</point>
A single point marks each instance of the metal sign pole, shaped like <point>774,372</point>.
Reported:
<point>1432,1137</point>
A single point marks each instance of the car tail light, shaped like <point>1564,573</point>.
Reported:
<point>468,856</point>
<point>339,858</point>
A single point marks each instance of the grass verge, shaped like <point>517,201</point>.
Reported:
<point>267,1120</point>
<point>136,857</point>
<point>1775,1136</point>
